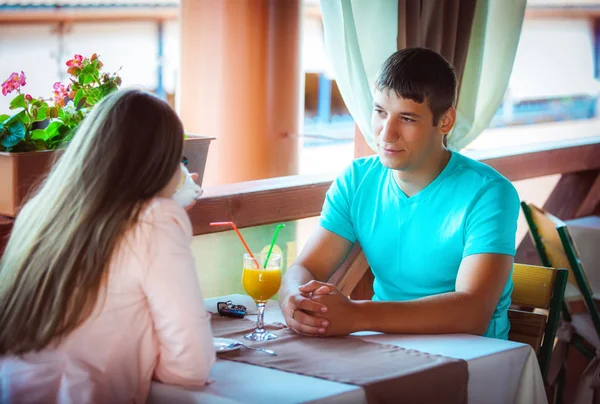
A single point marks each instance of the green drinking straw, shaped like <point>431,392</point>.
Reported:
<point>279,227</point>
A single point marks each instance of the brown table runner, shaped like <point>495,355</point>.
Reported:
<point>387,373</point>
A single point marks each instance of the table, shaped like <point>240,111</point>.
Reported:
<point>585,232</point>
<point>499,372</point>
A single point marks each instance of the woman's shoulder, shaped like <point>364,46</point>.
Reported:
<point>165,212</point>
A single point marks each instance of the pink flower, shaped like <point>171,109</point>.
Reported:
<point>28,97</point>
<point>6,88</point>
<point>22,81</point>
<point>77,61</point>
<point>14,82</point>
<point>60,92</point>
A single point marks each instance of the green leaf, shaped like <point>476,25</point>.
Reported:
<point>85,78</point>
<point>107,88</point>
<point>19,116</point>
<point>40,114</point>
<point>39,134</point>
<point>88,69</point>
<point>81,103</point>
<point>18,102</point>
<point>38,103</point>
<point>4,117</point>
<point>40,145</point>
<point>94,96</point>
<point>23,117</point>
<point>53,129</point>
<point>78,96</point>
<point>16,133</point>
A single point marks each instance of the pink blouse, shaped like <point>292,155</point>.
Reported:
<point>152,324</point>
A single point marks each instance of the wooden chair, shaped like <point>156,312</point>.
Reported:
<point>354,270</point>
<point>555,247</point>
<point>535,288</point>
<point>543,288</point>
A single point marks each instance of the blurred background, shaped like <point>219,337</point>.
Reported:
<point>553,90</point>
<point>257,76</point>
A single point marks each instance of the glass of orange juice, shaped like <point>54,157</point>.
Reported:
<point>261,281</point>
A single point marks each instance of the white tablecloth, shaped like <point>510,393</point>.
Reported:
<point>586,236</point>
<point>499,372</point>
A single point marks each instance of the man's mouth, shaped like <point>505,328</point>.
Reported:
<point>388,150</point>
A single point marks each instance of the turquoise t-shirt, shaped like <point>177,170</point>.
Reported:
<point>415,245</point>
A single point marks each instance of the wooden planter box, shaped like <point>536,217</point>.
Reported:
<point>195,149</point>
<point>19,173</point>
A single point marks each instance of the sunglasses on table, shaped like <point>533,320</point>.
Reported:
<point>228,309</point>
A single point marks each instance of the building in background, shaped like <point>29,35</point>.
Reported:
<point>555,76</point>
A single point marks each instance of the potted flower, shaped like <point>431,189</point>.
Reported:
<point>33,134</point>
<point>38,128</point>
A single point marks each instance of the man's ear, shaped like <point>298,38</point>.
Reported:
<point>447,121</point>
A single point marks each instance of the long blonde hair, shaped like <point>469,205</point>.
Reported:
<point>124,153</point>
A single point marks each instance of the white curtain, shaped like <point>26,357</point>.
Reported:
<point>361,34</point>
<point>491,55</point>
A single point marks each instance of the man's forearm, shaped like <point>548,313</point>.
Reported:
<point>295,276</point>
<point>446,313</point>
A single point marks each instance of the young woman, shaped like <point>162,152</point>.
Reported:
<point>98,287</point>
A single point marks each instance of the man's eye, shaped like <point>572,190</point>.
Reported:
<point>407,119</point>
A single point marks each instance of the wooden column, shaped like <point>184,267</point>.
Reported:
<point>240,82</point>
<point>361,147</point>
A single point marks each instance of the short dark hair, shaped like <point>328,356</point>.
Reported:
<point>420,74</point>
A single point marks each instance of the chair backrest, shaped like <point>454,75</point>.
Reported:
<point>556,248</point>
<point>537,287</point>
<point>351,271</point>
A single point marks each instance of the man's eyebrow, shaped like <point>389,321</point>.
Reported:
<point>411,114</point>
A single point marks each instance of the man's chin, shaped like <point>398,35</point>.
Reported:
<point>392,164</point>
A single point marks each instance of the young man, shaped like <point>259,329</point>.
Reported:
<point>437,228</point>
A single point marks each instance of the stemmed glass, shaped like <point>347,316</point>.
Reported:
<point>261,281</point>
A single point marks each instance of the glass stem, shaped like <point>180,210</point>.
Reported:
<point>260,320</point>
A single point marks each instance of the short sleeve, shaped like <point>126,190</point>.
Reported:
<point>491,222</point>
<point>336,214</point>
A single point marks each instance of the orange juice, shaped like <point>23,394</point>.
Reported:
<point>261,284</point>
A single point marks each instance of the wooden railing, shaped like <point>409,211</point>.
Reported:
<point>296,197</point>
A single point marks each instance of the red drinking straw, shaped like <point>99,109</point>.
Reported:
<point>240,237</point>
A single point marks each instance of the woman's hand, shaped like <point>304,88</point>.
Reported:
<point>191,205</point>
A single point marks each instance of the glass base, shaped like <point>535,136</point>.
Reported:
<point>260,335</point>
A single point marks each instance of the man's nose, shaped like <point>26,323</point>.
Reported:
<point>389,131</point>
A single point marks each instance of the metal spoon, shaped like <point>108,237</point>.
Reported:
<point>236,344</point>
